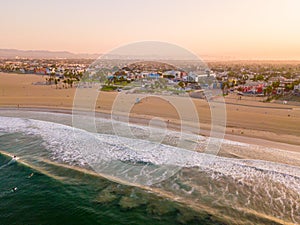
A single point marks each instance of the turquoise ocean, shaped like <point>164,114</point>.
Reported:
<point>56,179</point>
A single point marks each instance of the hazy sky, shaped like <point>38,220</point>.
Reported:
<point>230,28</point>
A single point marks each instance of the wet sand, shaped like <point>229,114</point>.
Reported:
<point>248,120</point>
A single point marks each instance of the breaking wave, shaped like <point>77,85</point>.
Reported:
<point>253,186</point>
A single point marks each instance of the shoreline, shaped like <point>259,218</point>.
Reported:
<point>248,120</point>
<point>174,125</point>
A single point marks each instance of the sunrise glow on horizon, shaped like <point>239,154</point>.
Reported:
<point>238,29</point>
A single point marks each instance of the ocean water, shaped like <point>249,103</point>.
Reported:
<point>73,176</point>
<point>51,194</point>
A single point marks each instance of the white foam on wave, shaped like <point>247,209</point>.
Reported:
<point>8,163</point>
<point>115,156</point>
<point>80,147</point>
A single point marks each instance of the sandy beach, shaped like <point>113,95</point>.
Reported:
<point>248,120</point>
<point>260,131</point>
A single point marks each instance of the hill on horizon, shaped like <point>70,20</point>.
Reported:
<point>43,54</point>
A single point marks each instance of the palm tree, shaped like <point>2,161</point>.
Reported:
<point>268,90</point>
<point>65,83</point>
<point>56,82</point>
<point>69,81</point>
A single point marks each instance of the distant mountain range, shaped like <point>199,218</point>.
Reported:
<point>43,54</point>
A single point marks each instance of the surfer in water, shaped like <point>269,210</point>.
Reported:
<point>13,160</point>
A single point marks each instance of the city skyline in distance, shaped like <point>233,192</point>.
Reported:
<point>50,54</point>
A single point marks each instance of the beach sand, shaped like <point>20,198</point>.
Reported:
<point>248,120</point>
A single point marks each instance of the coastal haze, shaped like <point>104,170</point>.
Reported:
<point>157,113</point>
<point>226,30</point>
<point>42,54</point>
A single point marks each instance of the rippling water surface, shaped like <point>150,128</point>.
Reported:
<point>67,175</point>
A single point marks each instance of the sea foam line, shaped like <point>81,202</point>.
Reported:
<point>79,147</point>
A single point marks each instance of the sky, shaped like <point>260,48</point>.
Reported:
<point>245,29</point>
